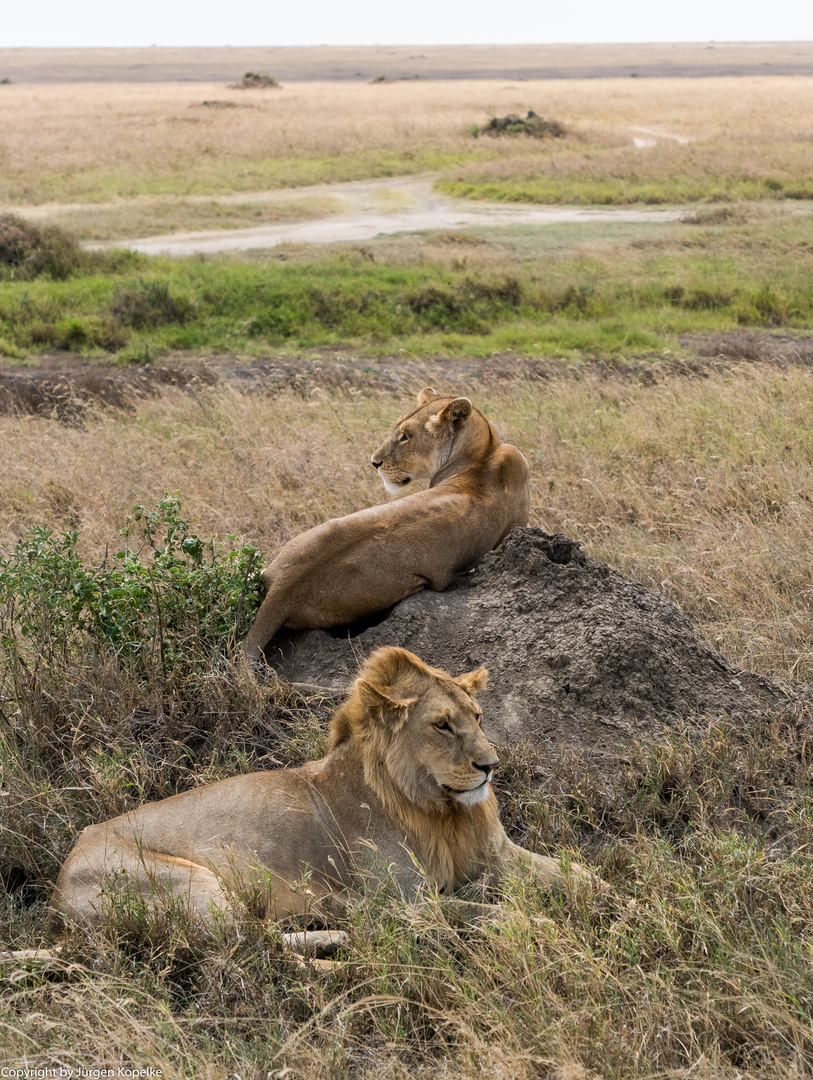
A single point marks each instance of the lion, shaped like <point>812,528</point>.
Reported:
<point>348,568</point>
<point>406,782</point>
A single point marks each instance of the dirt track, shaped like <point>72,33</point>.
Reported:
<point>415,207</point>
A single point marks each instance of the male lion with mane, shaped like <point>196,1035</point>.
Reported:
<point>407,776</point>
<point>351,567</point>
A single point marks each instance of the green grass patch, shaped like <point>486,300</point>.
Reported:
<point>573,189</point>
<point>205,175</point>
<point>573,306</point>
<point>662,174</point>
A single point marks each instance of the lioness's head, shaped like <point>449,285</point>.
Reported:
<point>423,441</point>
<point>419,731</point>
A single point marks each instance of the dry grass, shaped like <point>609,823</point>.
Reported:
<point>697,486</point>
<point>155,216</point>
<point>83,142</point>
<point>696,963</point>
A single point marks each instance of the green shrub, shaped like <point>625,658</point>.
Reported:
<point>151,304</point>
<point>258,80</point>
<point>172,600</point>
<point>87,332</point>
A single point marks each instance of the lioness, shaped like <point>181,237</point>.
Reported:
<point>351,567</point>
<point>407,776</point>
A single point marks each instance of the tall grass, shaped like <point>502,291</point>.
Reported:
<point>696,961</point>
<point>693,483</point>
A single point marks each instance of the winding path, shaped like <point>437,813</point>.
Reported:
<point>375,208</point>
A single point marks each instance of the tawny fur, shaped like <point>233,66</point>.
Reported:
<point>405,752</point>
<point>351,567</point>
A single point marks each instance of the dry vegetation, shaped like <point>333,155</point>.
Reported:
<point>692,478</point>
<point>696,962</point>
<point>697,485</point>
<point>93,144</point>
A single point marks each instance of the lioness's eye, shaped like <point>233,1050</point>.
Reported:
<point>444,727</point>
<point>403,437</point>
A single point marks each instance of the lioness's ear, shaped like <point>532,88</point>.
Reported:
<point>450,416</point>
<point>373,698</point>
<point>473,681</point>
<point>426,395</point>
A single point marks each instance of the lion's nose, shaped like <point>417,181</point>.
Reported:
<point>489,767</point>
<point>376,464</point>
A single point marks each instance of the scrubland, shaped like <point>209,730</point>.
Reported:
<point>709,139</point>
<point>685,470</point>
<point>697,960</point>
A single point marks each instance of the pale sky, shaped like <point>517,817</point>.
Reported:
<point>403,22</point>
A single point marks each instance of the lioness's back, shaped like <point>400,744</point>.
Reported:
<point>352,567</point>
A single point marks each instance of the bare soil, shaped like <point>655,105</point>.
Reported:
<point>68,386</point>
<point>364,63</point>
<point>577,654</point>
<point>416,207</point>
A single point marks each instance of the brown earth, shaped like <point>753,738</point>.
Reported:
<point>363,63</point>
<point>68,385</point>
<point>577,654</point>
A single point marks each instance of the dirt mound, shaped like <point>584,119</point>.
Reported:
<point>533,125</point>
<point>576,653</point>
<point>257,80</point>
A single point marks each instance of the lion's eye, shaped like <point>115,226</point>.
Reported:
<point>444,727</point>
<point>403,437</point>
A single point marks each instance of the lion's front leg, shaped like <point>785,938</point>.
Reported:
<point>549,873</point>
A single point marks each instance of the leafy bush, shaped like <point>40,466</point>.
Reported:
<point>513,124</point>
<point>28,251</point>
<point>87,332</point>
<point>151,304</point>
<point>173,601</point>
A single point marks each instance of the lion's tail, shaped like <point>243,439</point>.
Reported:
<point>268,620</point>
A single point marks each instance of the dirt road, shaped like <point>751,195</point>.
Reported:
<point>373,208</point>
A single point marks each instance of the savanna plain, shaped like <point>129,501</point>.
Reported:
<point>657,376</point>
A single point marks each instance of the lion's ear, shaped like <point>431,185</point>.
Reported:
<point>374,698</point>
<point>426,395</point>
<point>450,416</point>
<point>473,681</point>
